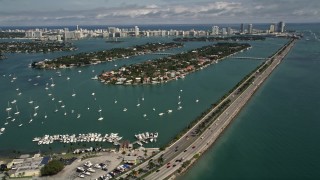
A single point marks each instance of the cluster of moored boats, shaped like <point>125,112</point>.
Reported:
<point>89,137</point>
<point>145,137</point>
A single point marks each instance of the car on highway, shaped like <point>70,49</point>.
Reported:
<point>193,147</point>
<point>185,151</point>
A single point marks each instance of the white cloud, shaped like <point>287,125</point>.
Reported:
<point>156,11</point>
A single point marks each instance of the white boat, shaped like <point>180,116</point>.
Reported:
<point>17,112</point>
<point>30,121</point>
<point>197,100</point>
<point>2,129</point>
<point>72,111</point>
<point>78,116</point>
<point>14,101</point>
<point>93,94</point>
<point>153,109</point>
<point>45,116</point>
<point>125,109</point>
<point>20,125</point>
<point>68,78</point>
<point>99,109</point>
<point>161,114</point>
<point>52,83</point>
<point>56,110</point>
<point>169,111</point>
<point>180,107</point>
<point>144,115</point>
<point>100,118</point>
<point>35,114</point>
<point>115,101</point>
<point>8,108</point>
<point>79,71</point>
<point>30,102</point>
<point>95,77</point>
<point>73,94</point>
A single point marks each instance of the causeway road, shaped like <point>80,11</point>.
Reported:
<point>189,145</point>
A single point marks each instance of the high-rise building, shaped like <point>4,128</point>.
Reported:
<point>229,31</point>
<point>272,28</point>
<point>250,28</point>
<point>215,30</point>
<point>136,31</point>
<point>224,31</point>
<point>242,28</point>
<point>281,26</point>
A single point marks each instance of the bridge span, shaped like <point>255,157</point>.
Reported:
<point>251,58</point>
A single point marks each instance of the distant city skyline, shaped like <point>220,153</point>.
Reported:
<point>104,12</point>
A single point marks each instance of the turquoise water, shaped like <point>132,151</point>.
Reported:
<point>276,134</point>
<point>207,85</point>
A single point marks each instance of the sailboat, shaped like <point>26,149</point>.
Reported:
<point>73,94</point>
<point>35,113</point>
<point>20,123</point>
<point>30,102</point>
<point>36,106</point>
<point>115,101</point>
<point>17,112</point>
<point>45,115</point>
<point>138,103</point>
<point>30,119</point>
<point>99,109</point>
<point>8,108</point>
<point>78,116</point>
<point>52,83</point>
<point>100,118</point>
<point>56,110</point>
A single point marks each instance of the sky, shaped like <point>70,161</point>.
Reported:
<point>136,12</point>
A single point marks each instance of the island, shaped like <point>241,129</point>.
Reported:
<point>88,58</point>
<point>171,67</point>
<point>34,47</point>
<point>221,38</point>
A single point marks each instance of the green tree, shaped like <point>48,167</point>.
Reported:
<point>53,167</point>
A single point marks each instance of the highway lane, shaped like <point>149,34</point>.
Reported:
<point>211,134</point>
